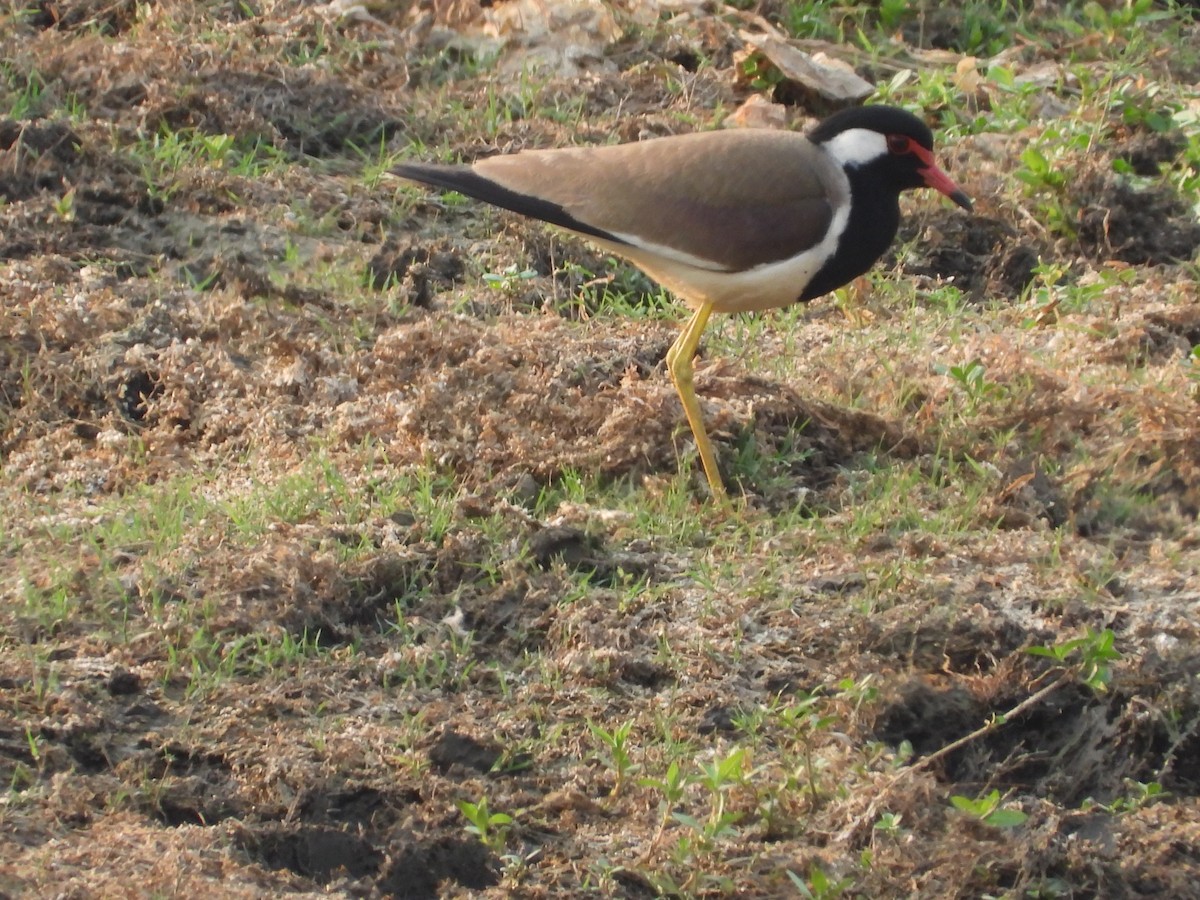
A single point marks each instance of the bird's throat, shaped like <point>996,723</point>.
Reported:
<point>874,220</point>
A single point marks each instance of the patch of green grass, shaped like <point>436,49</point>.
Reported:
<point>432,658</point>
<point>208,662</point>
<point>941,494</point>
<point>166,156</point>
<point>709,804</point>
<point>148,524</point>
<point>23,92</point>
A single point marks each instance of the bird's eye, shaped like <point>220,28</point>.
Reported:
<point>898,144</point>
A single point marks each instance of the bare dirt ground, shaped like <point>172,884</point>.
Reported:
<point>282,585</point>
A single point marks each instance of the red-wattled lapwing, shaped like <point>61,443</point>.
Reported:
<point>730,221</point>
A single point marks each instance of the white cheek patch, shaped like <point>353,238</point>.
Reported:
<point>856,147</point>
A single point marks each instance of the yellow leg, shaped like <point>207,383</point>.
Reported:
<point>679,364</point>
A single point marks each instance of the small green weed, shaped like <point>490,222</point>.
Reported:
<point>803,720</point>
<point>888,824</point>
<point>509,280</point>
<point>762,75</point>
<point>819,885</point>
<point>1141,793</point>
<point>492,828</point>
<point>972,378</point>
<point>1088,657</point>
<point>989,809</point>
<point>719,777</point>
<point>672,786</point>
<point>616,746</point>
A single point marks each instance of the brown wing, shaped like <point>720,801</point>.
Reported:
<point>725,200</point>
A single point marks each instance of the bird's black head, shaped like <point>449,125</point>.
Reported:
<point>894,144</point>
<point>883,151</point>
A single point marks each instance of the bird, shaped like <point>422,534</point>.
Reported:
<point>732,220</point>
